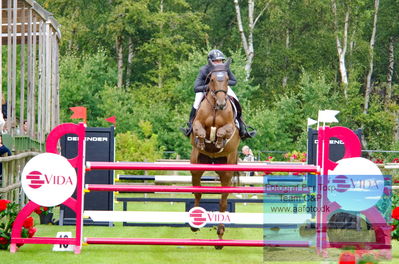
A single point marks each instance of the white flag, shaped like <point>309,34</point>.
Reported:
<point>328,116</point>
<point>311,122</point>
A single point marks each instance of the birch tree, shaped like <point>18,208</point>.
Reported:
<point>341,39</point>
<point>247,39</point>
<point>390,69</point>
<point>119,59</point>
<point>371,58</point>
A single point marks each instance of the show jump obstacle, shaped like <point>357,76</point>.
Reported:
<point>51,182</point>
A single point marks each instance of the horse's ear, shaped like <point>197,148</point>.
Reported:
<point>227,63</point>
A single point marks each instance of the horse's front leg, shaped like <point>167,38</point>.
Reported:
<point>199,135</point>
<point>223,133</point>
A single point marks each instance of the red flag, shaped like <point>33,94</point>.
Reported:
<point>79,112</point>
<point>111,119</point>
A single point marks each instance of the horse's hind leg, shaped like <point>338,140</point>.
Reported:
<point>196,181</point>
<point>225,178</point>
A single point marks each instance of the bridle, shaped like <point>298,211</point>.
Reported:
<point>215,92</point>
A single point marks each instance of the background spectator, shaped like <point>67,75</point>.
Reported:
<point>4,151</point>
<point>4,107</point>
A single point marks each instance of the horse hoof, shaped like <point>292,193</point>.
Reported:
<point>218,247</point>
<point>194,229</point>
<point>220,231</point>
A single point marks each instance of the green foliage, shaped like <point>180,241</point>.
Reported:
<point>82,79</point>
<point>132,147</point>
<point>115,102</point>
<point>378,125</point>
<point>316,92</point>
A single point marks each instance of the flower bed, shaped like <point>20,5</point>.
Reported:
<point>8,213</point>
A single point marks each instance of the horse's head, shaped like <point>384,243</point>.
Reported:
<point>218,83</point>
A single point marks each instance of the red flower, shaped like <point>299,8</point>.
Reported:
<point>393,227</point>
<point>38,211</point>
<point>395,213</point>
<point>28,223</point>
<point>31,232</point>
<point>3,205</point>
<point>3,240</point>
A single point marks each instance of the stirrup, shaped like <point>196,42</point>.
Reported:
<point>248,134</point>
<point>186,131</point>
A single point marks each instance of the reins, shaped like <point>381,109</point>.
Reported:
<point>213,94</point>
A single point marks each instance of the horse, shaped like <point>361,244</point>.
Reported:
<point>215,137</point>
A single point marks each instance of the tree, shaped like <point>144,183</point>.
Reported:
<point>342,43</point>
<point>371,57</point>
<point>81,82</point>
<point>247,40</point>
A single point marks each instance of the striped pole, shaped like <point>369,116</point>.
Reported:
<point>197,189</point>
<point>100,165</point>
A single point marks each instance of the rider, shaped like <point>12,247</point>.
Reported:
<point>200,87</point>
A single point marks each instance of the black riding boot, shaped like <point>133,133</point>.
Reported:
<point>244,133</point>
<point>187,131</point>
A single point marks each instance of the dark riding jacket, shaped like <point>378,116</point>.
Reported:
<point>201,83</point>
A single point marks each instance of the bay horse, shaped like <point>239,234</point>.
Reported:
<point>215,137</point>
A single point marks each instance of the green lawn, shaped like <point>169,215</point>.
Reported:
<point>161,254</point>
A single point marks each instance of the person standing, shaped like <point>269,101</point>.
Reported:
<point>3,151</point>
<point>248,157</point>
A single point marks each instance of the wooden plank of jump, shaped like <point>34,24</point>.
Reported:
<point>184,217</point>
<point>22,75</point>
<point>29,101</point>
<point>9,64</point>
<point>48,62</point>
<point>12,116</point>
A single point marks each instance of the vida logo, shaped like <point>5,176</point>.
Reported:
<point>37,179</point>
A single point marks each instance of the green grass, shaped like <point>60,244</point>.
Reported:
<point>119,254</point>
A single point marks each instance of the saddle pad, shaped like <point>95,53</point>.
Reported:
<point>234,111</point>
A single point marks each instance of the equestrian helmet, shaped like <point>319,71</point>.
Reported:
<point>216,55</point>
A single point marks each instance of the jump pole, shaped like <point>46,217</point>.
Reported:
<point>195,242</point>
<point>98,165</point>
<point>198,189</point>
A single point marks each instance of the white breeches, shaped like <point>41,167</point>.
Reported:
<point>200,96</point>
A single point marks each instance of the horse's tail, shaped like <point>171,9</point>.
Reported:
<point>236,175</point>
